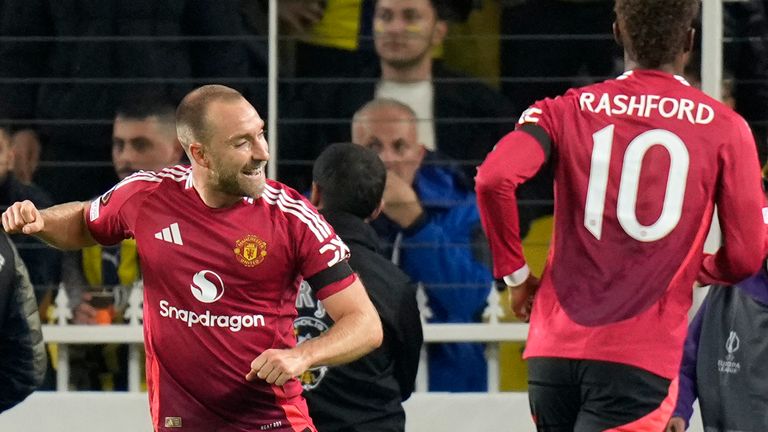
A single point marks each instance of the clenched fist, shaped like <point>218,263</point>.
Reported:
<point>277,366</point>
<point>22,217</point>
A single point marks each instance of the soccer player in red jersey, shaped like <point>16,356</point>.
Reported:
<point>640,163</point>
<point>222,251</point>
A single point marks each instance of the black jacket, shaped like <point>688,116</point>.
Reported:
<point>470,118</point>
<point>22,352</point>
<point>365,395</point>
<point>43,262</point>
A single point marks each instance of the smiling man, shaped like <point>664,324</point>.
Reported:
<point>223,251</point>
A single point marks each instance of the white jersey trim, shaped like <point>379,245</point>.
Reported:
<point>628,74</point>
<point>298,208</point>
<point>301,206</point>
<point>177,173</point>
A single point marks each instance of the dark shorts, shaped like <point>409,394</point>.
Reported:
<point>592,396</point>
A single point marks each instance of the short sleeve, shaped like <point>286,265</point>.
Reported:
<point>322,254</point>
<point>110,215</point>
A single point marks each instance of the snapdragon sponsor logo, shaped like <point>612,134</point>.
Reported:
<point>208,287</point>
<point>234,323</point>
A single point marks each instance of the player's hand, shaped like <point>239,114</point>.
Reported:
<point>676,424</point>
<point>84,313</point>
<point>22,217</point>
<point>521,298</point>
<point>277,366</point>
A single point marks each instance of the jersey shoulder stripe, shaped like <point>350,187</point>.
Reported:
<point>301,206</point>
<point>299,209</point>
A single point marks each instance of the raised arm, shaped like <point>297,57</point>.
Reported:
<point>62,226</point>
<point>355,332</point>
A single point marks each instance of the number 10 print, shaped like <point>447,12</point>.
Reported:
<point>630,180</point>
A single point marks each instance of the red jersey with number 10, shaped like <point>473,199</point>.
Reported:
<point>220,287</point>
<point>640,162</point>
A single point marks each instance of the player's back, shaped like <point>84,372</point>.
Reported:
<point>638,163</point>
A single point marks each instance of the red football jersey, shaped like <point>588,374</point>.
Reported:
<point>639,164</point>
<point>219,288</point>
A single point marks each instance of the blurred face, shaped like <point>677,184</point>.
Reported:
<point>143,144</point>
<point>6,154</point>
<point>392,134</point>
<point>238,151</point>
<point>405,31</point>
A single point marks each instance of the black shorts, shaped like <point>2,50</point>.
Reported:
<point>592,396</point>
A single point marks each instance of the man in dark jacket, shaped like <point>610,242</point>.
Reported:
<point>22,352</point>
<point>365,395</point>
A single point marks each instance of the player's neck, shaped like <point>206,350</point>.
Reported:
<point>418,72</point>
<point>674,68</point>
<point>211,197</point>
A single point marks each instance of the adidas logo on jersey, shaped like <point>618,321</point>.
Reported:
<point>170,234</point>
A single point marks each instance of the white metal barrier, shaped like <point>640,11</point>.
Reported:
<point>63,334</point>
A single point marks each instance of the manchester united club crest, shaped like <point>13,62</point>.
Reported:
<point>250,250</point>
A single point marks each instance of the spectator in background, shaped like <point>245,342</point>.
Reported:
<point>459,116</point>
<point>367,394</point>
<point>334,35</point>
<point>26,155</point>
<point>637,178</point>
<point>143,138</point>
<point>725,358</point>
<point>431,217</point>
<point>22,351</point>
<point>111,49</point>
<point>43,262</point>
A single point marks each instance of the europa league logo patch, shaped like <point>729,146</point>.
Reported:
<point>250,250</point>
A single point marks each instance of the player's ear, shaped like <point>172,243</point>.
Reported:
<point>376,212</point>
<point>198,154</point>
<point>690,37</point>
<point>617,34</point>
